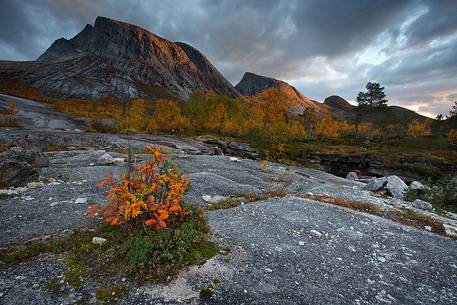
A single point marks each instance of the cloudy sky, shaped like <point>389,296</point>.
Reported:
<point>322,47</point>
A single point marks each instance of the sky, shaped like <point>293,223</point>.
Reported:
<point>322,47</point>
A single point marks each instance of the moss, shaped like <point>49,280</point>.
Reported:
<point>21,254</point>
<point>5,196</point>
<point>109,294</point>
<point>157,256</point>
<point>54,285</point>
<point>227,203</point>
<point>76,272</point>
<point>206,292</point>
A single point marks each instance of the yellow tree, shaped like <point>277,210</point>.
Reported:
<point>418,128</point>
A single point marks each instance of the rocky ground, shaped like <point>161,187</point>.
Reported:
<point>288,250</point>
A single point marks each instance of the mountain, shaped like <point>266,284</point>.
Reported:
<point>112,58</point>
<point>338,102</point>
<point>380,116</point>
<point>252,84</point>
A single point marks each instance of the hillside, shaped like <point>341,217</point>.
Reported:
<point>113,58</point>
<point>252,84</point>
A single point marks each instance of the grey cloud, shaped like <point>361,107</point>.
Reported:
<point>313,44</point>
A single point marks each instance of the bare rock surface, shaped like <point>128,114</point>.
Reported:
<point>281,251</point>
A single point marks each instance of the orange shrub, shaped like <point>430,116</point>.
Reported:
<point>151,197</point>
<point>452,136</point>
<point>417,128</point>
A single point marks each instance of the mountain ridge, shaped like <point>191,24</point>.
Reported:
<point>113,58</point>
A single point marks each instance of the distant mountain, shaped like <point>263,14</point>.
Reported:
<point>378,116</point>
<point>112,58</point>
<point>252,84</point>
<point>338,102</point>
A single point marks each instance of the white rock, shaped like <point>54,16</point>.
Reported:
<point>213,199</point>
<point>315,233</point>
<point>396,187</point>
<point>81,200</point>
<point>416,185</point>
<point>105,159</point>
<point>301,243</point>
<point>352,176</point>
<point>421,204</point>
<point>99,240</point>
<point>234,159</point>
<point>91,164</point>
<point>428,228</point>
<point>375,184</point>
<point>450,230</point>
<point>119,160</point>
<point>33,185</point>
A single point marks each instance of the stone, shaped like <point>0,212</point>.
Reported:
<point>33,185</point>
<point>105,159</point>
<point>301,243</point>
<point>396,187</point>
<point>98,240</point>
<point>213,199</point>
<point>416,185</point>
<point>450,230</point>
<point>81,200</point>
<point>428,228</point>
<point>315,234</point>
<point>352,176</point>
<point>421,204</point>
<point>19,166</point>
<point>375,184</point>
<point>234,159</point>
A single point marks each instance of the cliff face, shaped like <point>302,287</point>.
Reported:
<point>122,60</point>
<point>251,84</point>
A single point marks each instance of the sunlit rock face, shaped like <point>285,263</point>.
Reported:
<point>252,84</point>
<point>113,58</point>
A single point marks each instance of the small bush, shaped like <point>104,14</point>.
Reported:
<point>150,197</point>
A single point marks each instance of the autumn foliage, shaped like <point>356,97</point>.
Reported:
<point>452,136</point>
<point>150,198</point>
<point>418,128</point>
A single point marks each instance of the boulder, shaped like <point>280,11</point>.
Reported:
<point>375,184</point>
<point>396,187</point>
<point>416,185</point>
<point>421,204</point>
<point>19,166</point>
<point>105,159</point>
<point>213,199</point>
<point>352,176</point>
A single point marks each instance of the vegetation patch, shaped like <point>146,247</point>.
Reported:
<point>109,294</point>
<point>405,216</point>
<point>441,193</point>
<point>241,198</point>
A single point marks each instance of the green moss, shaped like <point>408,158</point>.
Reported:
<point>76,272</point>
<point>24,253</point>
<point>227,203</point>
<point>5,196</point>
<point>206,292</point>
<point>53,285</point>
<point>109,294</point>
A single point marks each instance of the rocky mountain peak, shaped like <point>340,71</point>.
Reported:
<point>338,102</point>
<point>113,58</point>
<point>252,84</point>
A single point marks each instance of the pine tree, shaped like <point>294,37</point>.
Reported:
<point>453,112</point>
<point>374,97</point>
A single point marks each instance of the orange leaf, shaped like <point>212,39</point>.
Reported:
<point>150,222</point>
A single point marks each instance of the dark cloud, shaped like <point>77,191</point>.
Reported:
<point>322,47</point>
